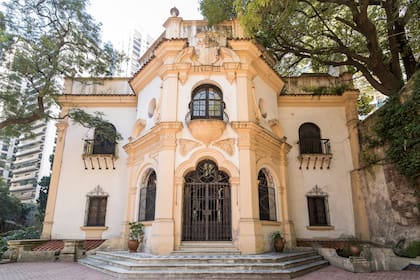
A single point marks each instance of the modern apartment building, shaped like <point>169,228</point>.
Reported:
<point>31,161</point>
<point>6,154</point>
<point>133,44</point>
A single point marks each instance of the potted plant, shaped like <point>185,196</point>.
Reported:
<point>135,236</point>
<point>278,241</point>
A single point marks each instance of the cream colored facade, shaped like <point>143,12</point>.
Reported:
<point>256,133</point>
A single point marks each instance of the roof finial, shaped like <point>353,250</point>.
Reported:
<point>174,12</point>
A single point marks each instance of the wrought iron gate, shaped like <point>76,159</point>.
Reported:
<point>207,203</point>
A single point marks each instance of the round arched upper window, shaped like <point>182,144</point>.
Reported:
<point>207,103</point>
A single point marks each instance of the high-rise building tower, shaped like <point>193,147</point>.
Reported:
<point>6,155</point>
<point>31,160</point>
<point>133,44</point>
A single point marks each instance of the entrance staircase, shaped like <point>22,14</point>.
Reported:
<point>200,263</point>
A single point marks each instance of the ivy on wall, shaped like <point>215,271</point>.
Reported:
<point>398,129</point>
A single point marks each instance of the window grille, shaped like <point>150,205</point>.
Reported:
<point>317,211</point>
<point>266,197</point>
<point>97,211</point>
<point>207,103</point>
<point>310,139</point>
<point>148,198</point>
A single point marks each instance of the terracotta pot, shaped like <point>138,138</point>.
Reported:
<point>133,245</point>
<point>355,250</point>
<point>279,244</point>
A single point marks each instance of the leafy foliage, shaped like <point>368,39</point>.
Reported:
<point>43,193</point>
<point>32,232</point>
<point>217,10</point>
<point>399,129</point>
<point>371,37</point>
<point>363,104</point>
<point>47,40</point>
<point>411,250</point>
<point>136,230</point>
<point>10,209</point>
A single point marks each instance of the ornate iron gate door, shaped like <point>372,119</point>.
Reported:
<point>207,213</point>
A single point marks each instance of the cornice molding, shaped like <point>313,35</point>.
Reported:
<point>74,100</point>
<point>316,100</point>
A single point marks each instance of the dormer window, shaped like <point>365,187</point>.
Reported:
<point>207,103</point>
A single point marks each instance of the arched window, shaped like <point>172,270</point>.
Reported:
<point>207,103</point>
<point>310,139</point>
<point>266,196</point>
<point>147,198</point>
<point>104,139</point>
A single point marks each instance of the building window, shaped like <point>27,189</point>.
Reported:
<point>207,103</point>
<point>266,196</point>
<point>318,207</point>
<point>310,139</point>
<point>96,211</point>
<point>104,139</point>
<point>148,198</point>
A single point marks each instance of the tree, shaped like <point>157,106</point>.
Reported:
<point>43,193</point>
<point>47,40</point>
<point>378,38</point>
<point>10,208</point>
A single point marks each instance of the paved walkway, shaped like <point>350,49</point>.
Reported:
<point>75,271</point>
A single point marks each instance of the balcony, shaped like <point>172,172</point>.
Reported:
<point>206,128</point>
<point>24,176</point>
<point>21,188</point>
<point>315,153</point>
<point>99,154</point>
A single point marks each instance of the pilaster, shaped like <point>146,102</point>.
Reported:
<point>359,208</point>
<point>250,230</point>
<point>55,179</point>
<point>162,239</point>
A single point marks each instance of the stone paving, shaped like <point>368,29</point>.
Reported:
<point>75,271</point>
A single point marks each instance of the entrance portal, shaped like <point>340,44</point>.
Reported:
<point>207,213</point>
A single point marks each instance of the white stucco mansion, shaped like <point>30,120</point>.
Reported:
<point>214,146</point>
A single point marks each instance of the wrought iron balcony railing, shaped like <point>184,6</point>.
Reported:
<point>99,154</point>
<point>315,153</point>
<point>315,146</point>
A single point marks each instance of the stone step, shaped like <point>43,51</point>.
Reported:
<point>124,265</point>
<point>206,248</point>
<point>199,258</point>
<point>206,274</point>
<point>182,265</point>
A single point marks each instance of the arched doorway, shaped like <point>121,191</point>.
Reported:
<point>207,204</point>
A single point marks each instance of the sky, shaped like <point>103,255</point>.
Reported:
<point>117,16</point>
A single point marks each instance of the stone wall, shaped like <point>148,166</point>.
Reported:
<point>392,202</point>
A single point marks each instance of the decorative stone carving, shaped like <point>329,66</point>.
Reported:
<point>207,130</point>
<point>276,127</point>
<point>97,191</point>
<point>139,125</point>
<point>316,191</point>
<point>227,145</point>
<point>186,145</point>
<point>207,48</point>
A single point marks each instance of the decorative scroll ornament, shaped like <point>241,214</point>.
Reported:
<point>97,191</point>
<point>227,145</point>
<point>316,191</point>
<point>186,145</point>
